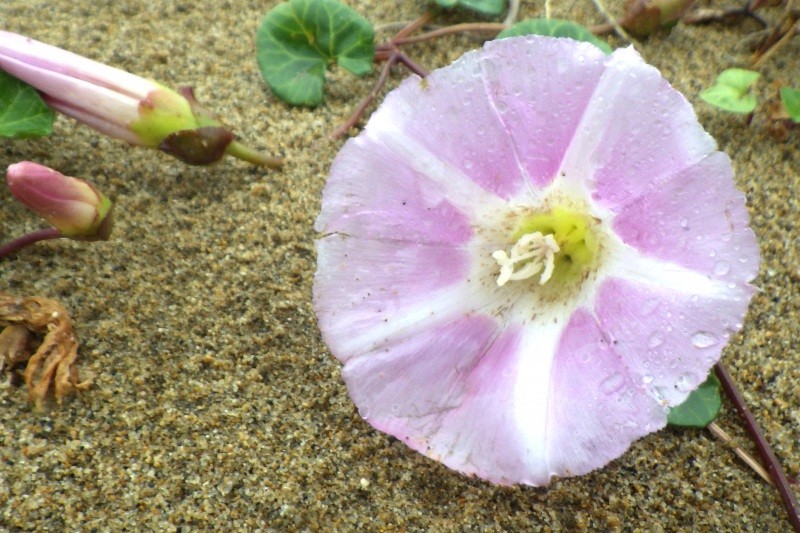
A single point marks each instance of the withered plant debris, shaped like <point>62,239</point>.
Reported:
<point>52,364</point>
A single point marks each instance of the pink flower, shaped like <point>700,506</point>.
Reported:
<point>120,104</point>
<point>72,206</point>
<point>528,257</point>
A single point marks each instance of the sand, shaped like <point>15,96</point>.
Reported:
<point>215,404</point>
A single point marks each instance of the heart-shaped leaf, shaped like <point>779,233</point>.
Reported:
<point>23,114</point>
<point>487,7</point>
<point>299,38</point>
<point>732,91</point>
<point>554,28</point>
<point>700,408</point>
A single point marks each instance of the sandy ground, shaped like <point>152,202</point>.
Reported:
<point>215,404</point>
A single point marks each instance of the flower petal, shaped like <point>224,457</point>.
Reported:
<point>696,219</point>
<point>450,392</point>
<point>637,131</point>
<point>418,120</point>
<point>541,100</point>
<point>373,193</point>
<point>674,333</point>
<point>596,407</point>
<point>20,50</point>
<point>365,291</point>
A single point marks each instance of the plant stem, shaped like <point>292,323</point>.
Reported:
<point>611,20</point>
<point>414,25</point>
<point>492,27</point>
<point>767,456</point>
<point>245,153</point>
<point>28,239</point>
<point>395,57</point>
<point>513,11</point>
<point>743,455</point>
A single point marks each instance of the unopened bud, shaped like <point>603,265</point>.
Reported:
<point>73,206</point>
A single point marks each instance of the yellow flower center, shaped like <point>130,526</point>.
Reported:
<point>561,244</point>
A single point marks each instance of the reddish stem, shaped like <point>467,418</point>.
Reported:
<point>492,27</point>
<point>413,26</point>
<point>28,239</point>
<point>764,450</point>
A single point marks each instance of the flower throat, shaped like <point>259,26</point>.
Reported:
<point>559,245</point>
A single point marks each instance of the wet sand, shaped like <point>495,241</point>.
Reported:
<point>215,404</point>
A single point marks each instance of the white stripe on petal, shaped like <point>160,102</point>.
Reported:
<point>453,185</point>
<point>628,264</point>
<point>532,392</point>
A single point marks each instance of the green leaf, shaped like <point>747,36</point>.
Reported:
<point>487,7</point>
<point>554,28</point>
<point>299,38</point>
<point>700,408</point>
<point>732,91</point>
<point>23,114</point>
<point>791,102</point>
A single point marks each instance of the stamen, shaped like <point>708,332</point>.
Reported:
<point>534,252</point>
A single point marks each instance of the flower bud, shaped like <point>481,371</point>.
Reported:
<point>115,102</point>
<point>644,17</point>
<point>72,206</point>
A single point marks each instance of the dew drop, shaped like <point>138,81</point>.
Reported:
<point>684,382</point>
<point>647,379</point>
<point>655,340</point>
<point>722,268</point>
<point>612,383</point>
<point>649,307</point>
<point>684,222</point>
<point>704,339</point>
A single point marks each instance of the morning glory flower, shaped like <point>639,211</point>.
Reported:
<point>528,257</point>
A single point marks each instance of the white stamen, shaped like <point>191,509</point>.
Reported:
<point>536,252</point>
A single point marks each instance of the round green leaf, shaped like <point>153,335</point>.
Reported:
<point>23,114</point>
<point>729,99</point>
<point>738,78</point>
<point>554,28</point>
<point>299,38</point>
<point>732,91</point>
<point>791,102</point>
<point>487,7</point>
<point>700,408</point>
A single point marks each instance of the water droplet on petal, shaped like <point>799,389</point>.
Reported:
<point>722,268</point>
<point>612,383</point>
<point>655,340</point>
<point>649,307</point>
<point>684,382</point>
<point>647,379</point>
<point>704,339</point>
<point>684,222</point>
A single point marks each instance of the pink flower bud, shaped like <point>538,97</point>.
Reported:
<point>71,205</point>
